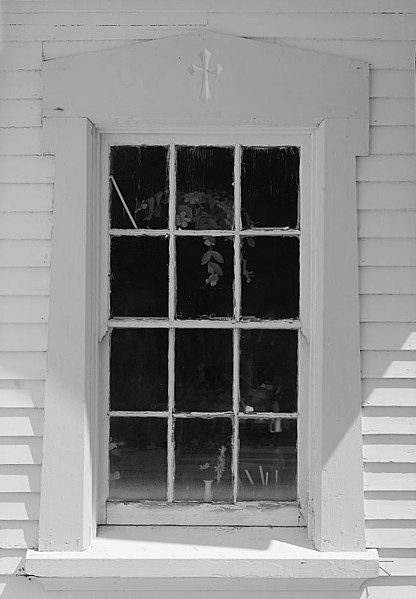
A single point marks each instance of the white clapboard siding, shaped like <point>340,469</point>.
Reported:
<point>386,168</point>
<point>22,365</point>
<point>388,82</point>
<point>24,281</point>
<point>24,252</point>
<point>389,477</point>
<point>21,422</point>
<point>387,224</point>
<point>389,421</point>
<point>19,506</point>
<point>11,561</point>
<point>21,450</point>
<point>22,393</point>
<point>21,56</point>
<point>23,337</point>
<point>386,252</point>
<point>388,280</point>
<point>395,336</point>
<point>20,113</point>
<point>32,225</point>
<point>387,111</point>
<point>384,392</point>
<point>27,197</point>
<point>389,587</point>
<point>19,141</point>
<point>26,169</point>
<point>389,449</point>
<point>96,19</point>
<point>20,479</point>
<point>17,534</point>
<point>392,140</point>
<point>58,49</point>
<point>23,309</point>
<point>400,533</point>
<point>20,84</point>
<point>387,308</point>
<point>385,364</point>
<point>390,506</point>
<point>386,195</point>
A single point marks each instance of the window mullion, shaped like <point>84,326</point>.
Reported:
<point>171,315</point>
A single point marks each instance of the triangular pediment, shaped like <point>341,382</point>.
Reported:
<point>256,83</point>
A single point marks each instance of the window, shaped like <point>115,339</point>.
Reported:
<point>205,319</point>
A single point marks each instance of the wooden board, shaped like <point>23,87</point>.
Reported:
<point>30,225</point>
<point>387,308</point>
<point>386,168</point>
<point>23,309</point>
<point>392,140</point>
<point>386,195</point>
<point>386,252</point>
<point>23,253</point>
<point>392,280</point>
<point>21,422</point>
<point>386,336</point>
<point>24,281</point>
<point>388,364</point>
<point>23,337</point>
<point>22,450</point>
<point>26,197</point>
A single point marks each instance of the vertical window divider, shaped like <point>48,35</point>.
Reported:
<point>171,315</point>
<point>237,316</point>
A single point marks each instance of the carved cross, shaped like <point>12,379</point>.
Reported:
<point>205,57</point>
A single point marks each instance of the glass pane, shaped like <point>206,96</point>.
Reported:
<point>267,460</point>
<point>270,187</point>
<point>141,174</point>
<point>138,463</point>
<point>139,369</point>
<point>204,187</point>
<point>270,277</point>
<point>203,453</point>
<point>139,276</point>
<point>268,371</point>
<point>205,273</point>
<point>203,370</point>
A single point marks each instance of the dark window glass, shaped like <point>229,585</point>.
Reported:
<point>139,369</point>
<point>270,187</point>
<point>205,273</point>
<point>270,277</point>
<point>203,453</point>
<point>141,173</point>
<point>203,370</point>
<point>268,371</point>
<point>204,187</point>
<point>138,465</point>
<point>139,276</point>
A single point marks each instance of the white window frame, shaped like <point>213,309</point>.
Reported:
<point>327,99</point>
<point>243,513</point>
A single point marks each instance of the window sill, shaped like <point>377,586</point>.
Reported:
<point>201,558</point>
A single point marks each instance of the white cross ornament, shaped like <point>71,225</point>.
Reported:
<point>205,57</point>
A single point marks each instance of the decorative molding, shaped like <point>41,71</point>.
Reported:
<point>205,56</point>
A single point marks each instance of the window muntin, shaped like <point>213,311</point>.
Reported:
<point>240,317</point>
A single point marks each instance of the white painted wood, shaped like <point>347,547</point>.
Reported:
<point>95,19</point>
<point>397,567</point>
<point>395,336</point>
<point>24,281</point>
<point>25,140</point>
<point>391,589</point>
<point>23,337</point>
<point>21,422</point>
<point>20,450</point>
<point>58,49</point>
<point>389,481</point>
<point>389,82</point>
<point>392,140</point>
<point>22,365</point>
<point>23,253</point>
<point>26,56</point>
<point>388,280</point>
<point>399,168</point>
<point>20,479</point>
<point>17,534</point>
<point>390,506</point>
<point>386,196</point>
<point>23,309</point>
<point>391,449</point>
<point>19,506</point>
<point>11,560</point>
<point>387,252</point>
<point>18,225</point>
<point>397,111</point>
<point>384,364</point>
<point>384,534</point>
<point>319,78</point>
<point>18,398</point>
<point>16,197</point>
<point>20,84</point>
<point>387,308</point>
<point>20,113</point>
<point>391,424</point>
<point>382,392</point>
<point>26,169</point>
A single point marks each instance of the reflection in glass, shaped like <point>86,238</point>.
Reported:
<point>139,276</point>
<point>203,370</point>
<point>268,371</point>
<point>270,187</point>
<point>204,277</point>
<point>270,277</point>
<point>139,369</point>
<point>138,465</point>
<point>203,453</point>
<point>267,460</point>
<point>204,181</point>
<point>141,174</point>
